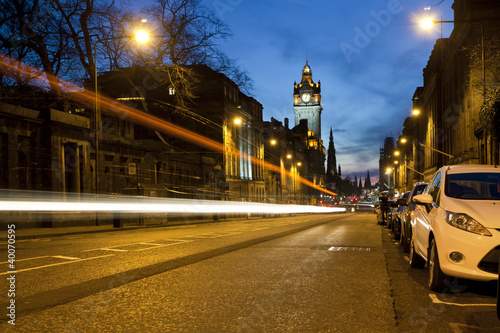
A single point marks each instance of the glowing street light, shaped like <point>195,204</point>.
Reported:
<point>427,23</point>
<point>141,36</point>
<point>416,112</point>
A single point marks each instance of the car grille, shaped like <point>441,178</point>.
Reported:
<point>490,261</point>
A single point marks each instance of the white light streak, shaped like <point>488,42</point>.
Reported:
<point>68,202</point>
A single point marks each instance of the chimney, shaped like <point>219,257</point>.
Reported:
<point>286,123</point>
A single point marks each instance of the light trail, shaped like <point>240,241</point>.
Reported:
<point>26,201</point>
<point>116,108</point>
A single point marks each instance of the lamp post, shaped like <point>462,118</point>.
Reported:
<point>388,173</point>
<point>140,36</point>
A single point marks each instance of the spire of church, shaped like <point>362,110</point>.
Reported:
<point>331,165</point>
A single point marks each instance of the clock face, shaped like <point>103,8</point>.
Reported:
<point>306,97</point>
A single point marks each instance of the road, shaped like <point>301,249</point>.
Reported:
<point>305,273</point>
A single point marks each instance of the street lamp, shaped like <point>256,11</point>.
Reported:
<point>140,36</point>
<point>388,173</point>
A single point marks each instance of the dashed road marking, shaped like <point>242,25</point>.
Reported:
<point>59,263</point>
<point>436,300</point>
<point>110,249</point>
<point>17,260</point>
<point>347,248</point>
<point>65,257</point>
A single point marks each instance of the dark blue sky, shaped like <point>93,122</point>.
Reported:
<point>368,55</point>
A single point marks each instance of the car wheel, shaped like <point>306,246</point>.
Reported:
<point>437,279</point>
<point>405,242</point>
<point>416,261</point>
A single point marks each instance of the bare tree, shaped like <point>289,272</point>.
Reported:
<point>29,32</point>
<point>57,36</point>
<point>189,34</point>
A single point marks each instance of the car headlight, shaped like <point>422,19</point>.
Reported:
<point>467,223</point>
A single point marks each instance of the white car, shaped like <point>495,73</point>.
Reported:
<point>456,225</point>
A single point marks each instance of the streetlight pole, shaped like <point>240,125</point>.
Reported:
<point>141,36</point>
<point>436,150</point>
<point>388,173</point>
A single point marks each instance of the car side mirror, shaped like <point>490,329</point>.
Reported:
<point>401,202</point>
<point>422,199</point>
<point>425,200</point>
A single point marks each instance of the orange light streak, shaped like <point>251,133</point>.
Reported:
<point>113,107</point>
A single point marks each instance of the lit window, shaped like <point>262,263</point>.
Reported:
<point>171,91</point>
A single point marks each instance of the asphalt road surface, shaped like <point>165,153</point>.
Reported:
<point>306,273</point>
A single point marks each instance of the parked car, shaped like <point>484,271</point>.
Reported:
<point>384,219</point>
<point>408,208</point>
<point>455,226</point>
<point>397,216</point>
<point>393,207</point>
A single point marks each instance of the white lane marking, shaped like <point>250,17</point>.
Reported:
<point>154,247</point>
<point>5,262</point>
<point>60,263</point>
<point>457,327</point>
<point>110,249</point>
<point>436,300</point>
<point>65,257</point>
<point>178,240</point>
<point>152,244</point>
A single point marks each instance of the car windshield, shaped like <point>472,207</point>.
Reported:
<point>473,186</point>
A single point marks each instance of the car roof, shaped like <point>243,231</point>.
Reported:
<point>469,168</point>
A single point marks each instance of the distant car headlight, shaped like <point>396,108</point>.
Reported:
<point>467,223</point>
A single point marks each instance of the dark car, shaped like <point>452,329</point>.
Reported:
<point>409,207</point>
<point>384,218</point>
<point>398,216</point>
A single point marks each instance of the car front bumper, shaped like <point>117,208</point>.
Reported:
<point>481,254</point>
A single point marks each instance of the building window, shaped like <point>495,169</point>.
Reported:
<point>171,91</point>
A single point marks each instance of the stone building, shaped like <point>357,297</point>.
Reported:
<point>55,150</point>
<point>215,109</point>
<point>460,76</point>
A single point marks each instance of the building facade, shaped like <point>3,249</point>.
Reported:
<point>214,108</point>
<point>459,99</point>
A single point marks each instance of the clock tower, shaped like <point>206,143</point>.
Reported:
<point>307,102</point>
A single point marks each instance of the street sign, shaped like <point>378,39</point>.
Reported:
<point>132,168</point>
